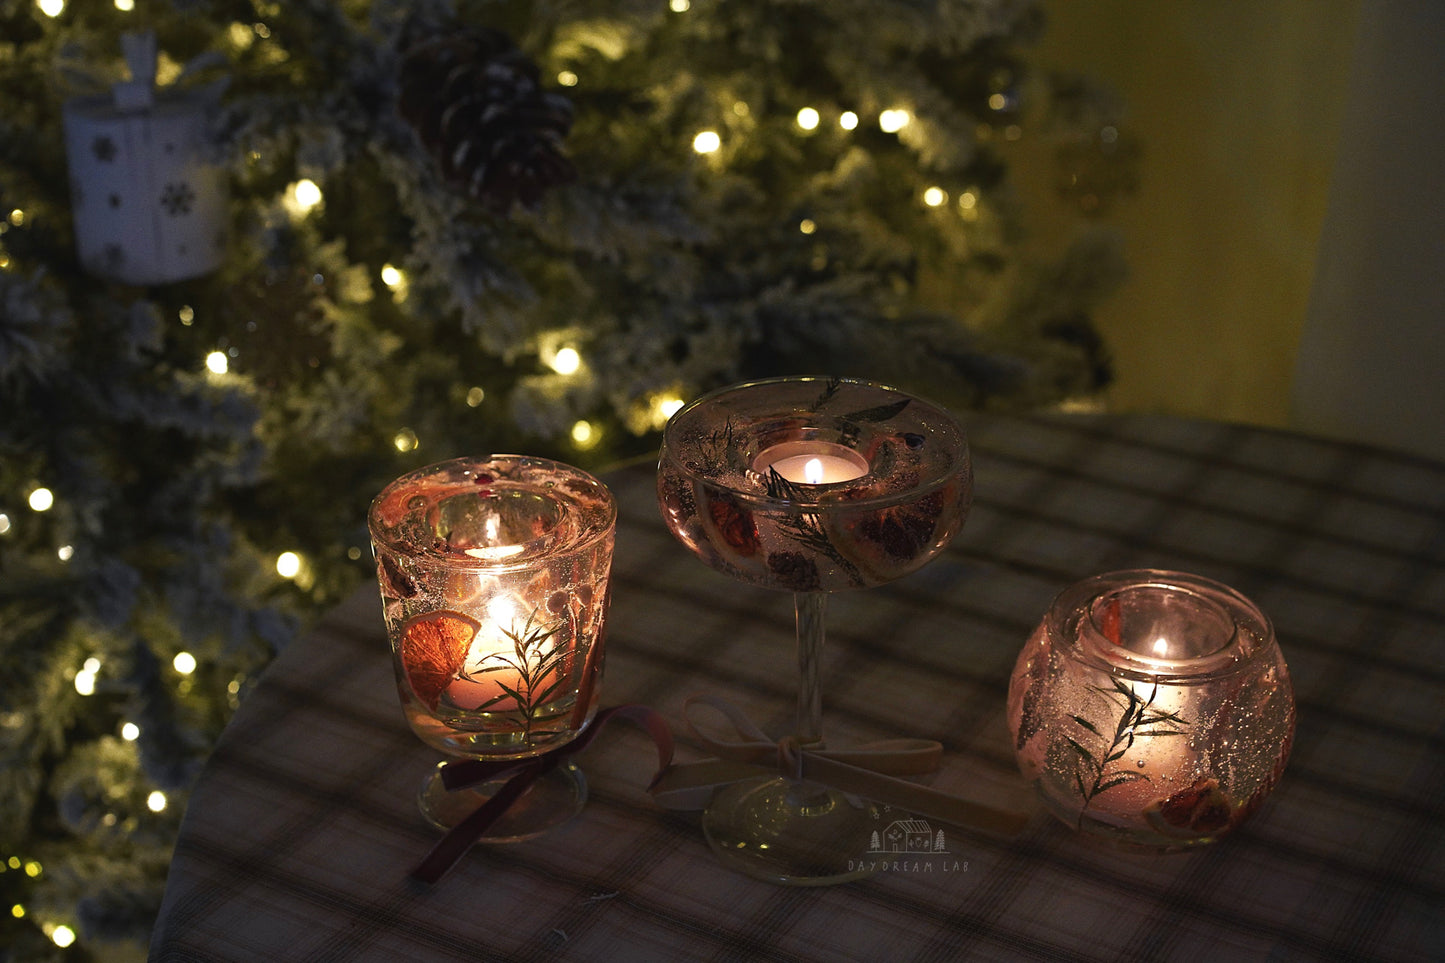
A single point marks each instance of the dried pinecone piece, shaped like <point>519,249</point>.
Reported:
<point>903,532</point>
<point>795,571</point>
<point>476,104</point>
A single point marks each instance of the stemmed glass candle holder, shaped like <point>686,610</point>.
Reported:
<point>493,576</point>
<point>811,486</point>
<point>1152,708</point>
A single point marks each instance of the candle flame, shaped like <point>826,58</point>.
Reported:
<point>491,531</point>
<point>501,611</point>
<point>1161,647</point>
<point>813,471</point>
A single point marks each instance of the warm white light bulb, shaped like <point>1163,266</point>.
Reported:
<point>130,732</point>
<point>288,564</point>
<point>184,663</point>
<point>706,142</point>
<point>935,196</point>
<point>156,801</point>
<point>583,432</point>
<point>892,121</point>
<point>217,363</point>
<point>62,936</point>
<point>566,361</point>
<point>848,120</point>
<point>391,276</point>
<point>808,118</point>
<point>51,8</point>
<point>305,194</point>
<point>41,500</point>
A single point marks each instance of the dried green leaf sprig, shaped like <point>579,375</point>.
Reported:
<point>540,668</point>
<point>1138,719</point>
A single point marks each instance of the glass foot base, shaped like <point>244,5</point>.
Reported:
<point>553,799</point>
<point>794,833</point>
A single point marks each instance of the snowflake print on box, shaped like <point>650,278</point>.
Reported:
<point>149,206</point>
<point>178,199</point>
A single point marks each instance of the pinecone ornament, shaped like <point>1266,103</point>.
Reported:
<point>477,106</point>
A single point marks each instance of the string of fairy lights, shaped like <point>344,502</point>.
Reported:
<point>562,357</point>
<point>304,196</point>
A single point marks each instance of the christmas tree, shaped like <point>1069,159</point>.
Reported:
<point>452,227</point>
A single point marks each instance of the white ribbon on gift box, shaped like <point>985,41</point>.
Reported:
<point>142,53</point>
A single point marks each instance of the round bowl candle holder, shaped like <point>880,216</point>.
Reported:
<point>810,486</point>
<point>1152,708</point>
<point>493,575</point>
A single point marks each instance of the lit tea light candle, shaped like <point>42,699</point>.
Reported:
<point>488,667</point>
<point>492,552</point>
<point>812,462</point>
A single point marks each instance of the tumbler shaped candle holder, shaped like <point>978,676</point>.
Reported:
<point>1152,708</point>
<point>810,486</point>
<point>494,585</point>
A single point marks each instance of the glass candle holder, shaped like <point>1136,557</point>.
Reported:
<point>1152,708</point>
<point>494,585</point>
<point>809,486</point>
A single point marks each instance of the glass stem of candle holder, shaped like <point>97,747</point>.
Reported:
<point>810,607</point>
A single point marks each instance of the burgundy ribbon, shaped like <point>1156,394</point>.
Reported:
<point>521,774</point>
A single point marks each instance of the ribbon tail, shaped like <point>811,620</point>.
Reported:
<point>459,838</point>
<point>913,798</point>
<point>691,786</point>
<point>522,773</point>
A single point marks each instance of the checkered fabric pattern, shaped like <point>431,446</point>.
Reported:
<point>301,833</point>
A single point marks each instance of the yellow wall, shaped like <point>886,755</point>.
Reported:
<point>1237,105</point>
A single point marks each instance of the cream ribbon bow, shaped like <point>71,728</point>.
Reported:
<point>868,770</point>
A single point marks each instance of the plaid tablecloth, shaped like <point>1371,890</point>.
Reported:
<point>300,836</point>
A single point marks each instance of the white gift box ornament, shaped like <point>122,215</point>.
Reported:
<point>149,206</point>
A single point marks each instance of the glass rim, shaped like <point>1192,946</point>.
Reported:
<point>960,468</point>
<point>1071,612</point>
<point>381,541</point>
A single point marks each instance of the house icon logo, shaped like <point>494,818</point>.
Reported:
<point>907,836</point>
